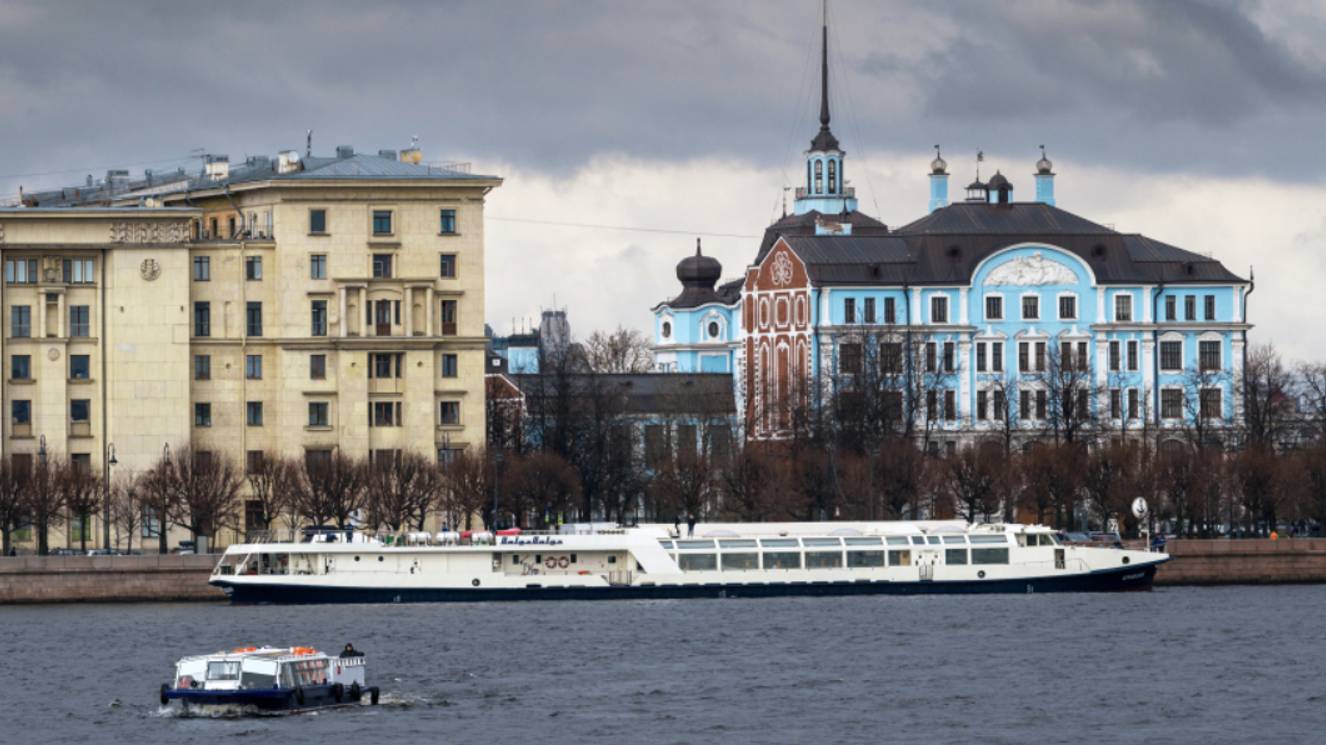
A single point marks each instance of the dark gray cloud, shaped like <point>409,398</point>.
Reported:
<point>1152,86</point>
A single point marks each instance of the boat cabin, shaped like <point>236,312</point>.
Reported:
<point>251,668</point>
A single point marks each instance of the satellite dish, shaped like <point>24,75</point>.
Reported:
<point>1139,508</point>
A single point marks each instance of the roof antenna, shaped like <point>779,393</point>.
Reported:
<point>697,245</point>
<point>980,156</point>
<point>786,189</point>
<point>308,144</point>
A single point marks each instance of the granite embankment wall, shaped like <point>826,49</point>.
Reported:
<point>1244,562</point>
<point>97,579</point>
<point>152,578</point>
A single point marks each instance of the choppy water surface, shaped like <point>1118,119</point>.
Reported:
<point>1175,665</point>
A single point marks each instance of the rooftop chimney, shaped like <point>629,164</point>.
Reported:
<point>413,155</point>
<point>217,167</point>
<point>287,161</point>
<point>345,151</point>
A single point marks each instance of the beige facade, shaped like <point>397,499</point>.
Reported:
<point>277,315</point>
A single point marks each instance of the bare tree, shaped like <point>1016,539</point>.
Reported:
<point>126,510</point>
<point>401,490</point>
<point>972,478</point>
<point>621,351</point>
<point>1268,404</point>
<point>329,487</point>
<point>43,503</point>
<point>158,496</point>
<point>1312,385</point>
<point>543,487</point>
<point>467,488</point>
<point>79,492</point>
<point>207,485</point>
<point>745,484</point>
<point>1108,480</point>
<point>13,507</point>
<point>269,491</point>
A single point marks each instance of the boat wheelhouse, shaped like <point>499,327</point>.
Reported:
<point>651,561</point>
<point>266,679</point>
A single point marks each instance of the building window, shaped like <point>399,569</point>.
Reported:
<point>448,266</point>
<point>1210,404</point>
<point>1171,355</point>
<point>950,360</point>
<point>77,271</point>
<point>1190,307</point>
<point>869,310</point>
<point>21,271</point>
<point>1031,307</point>
<point>939,309</point>
<point>202,319</point>
<point>1114,356</point>
<point>1066,355</point>
<point>1171,313</point>
<point>317,266</point>
<point>1040,404</point>
<point>202,269</point>
<point>447,455</point>
<point>1024,404</point>
<point>383,365</point>
<point>931,357</point>
<point>1133,403</point>
<point>849,358</point>
<point>1116,403</point>
<point>1208,305</point>
<point>20,412</point>
<point>448,222</point>
<point>450,365</point>
<point>253,268</point>
<point>980,358</point>
<point>981,404</point>
<point>384,413</point>
<point>1171,403</point>
<point>890,310</point>
<point>1040,356</point>
<point>950,405</point>
<point>714,329</point>
<point>996,356</point>
<point>253,318</point>
<point>80,367</point>
<point>20,367</point>
<point>318,318</point>
<point>1132,356</point>
<point>449,412</point>
<point>253,413</point>
<point>1209,355</point>
<point>449,319</point>
<point>931,404</point>
<point>253,366</point>
<point>994,308</point>
<point>202,367</point>
<point>666,330</point>
<point>1000,406</point>
<point>80,411</point>
<point>230,224</point>
<point>890,357</point>
<point>833,176</point>
<point>849,310</point>
<point>381,222</point>
<point>819,177</point>
<point>1123,308</point>
<point>317,221</point>
<point>202,415</point>
<point>318,413</point>
<point>317,367</point>
<point>1024,357</point>
<point>382,266</point>
<point>79,324</point>
<point>1067,307</point>
<point>1083,363</point>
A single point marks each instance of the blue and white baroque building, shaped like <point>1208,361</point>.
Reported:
<point>998,314</point>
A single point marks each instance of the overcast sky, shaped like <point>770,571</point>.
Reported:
<point>1198,123</point>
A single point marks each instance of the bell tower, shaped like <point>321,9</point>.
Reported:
<point>826,189</point>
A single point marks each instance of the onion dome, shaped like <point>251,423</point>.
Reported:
<point>1043,166</point>
<point>699,271</point>
<point>938,166</point>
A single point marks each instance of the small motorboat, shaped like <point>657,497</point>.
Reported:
<point>268,679</point>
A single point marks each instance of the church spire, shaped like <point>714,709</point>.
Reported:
<point>824,141</point>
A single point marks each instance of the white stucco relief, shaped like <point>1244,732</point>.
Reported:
<point>1029,271</point>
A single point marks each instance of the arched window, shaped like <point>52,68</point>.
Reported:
<point>713,329</point>
<point>667,329</point>
<point>833,177</point>
<point>819,177</point>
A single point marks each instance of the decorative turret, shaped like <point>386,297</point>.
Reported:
<point>999,189</point>
<point>938,181</point>
<point>826,189</point>
<point>1044,179</point>
<point>699,272</point>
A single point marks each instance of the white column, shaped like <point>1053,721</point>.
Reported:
<point>1148,367</point>
<point>1147,302</point>
<point>409,311</point>
<point>1240,294</point>
<point>428,311</point>
<point>962,303</point>
<point>345,319</point>
<point>916,306</point>
<point>1100,305</point>
<point>964,378</point>
<point>61,325</point>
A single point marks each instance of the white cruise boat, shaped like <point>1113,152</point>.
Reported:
<point>650,561</point>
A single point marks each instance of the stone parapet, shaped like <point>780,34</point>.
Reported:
<point>1238,562</point>
<point>66,579</point>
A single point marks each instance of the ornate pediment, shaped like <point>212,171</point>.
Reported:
<point>1033,270</point>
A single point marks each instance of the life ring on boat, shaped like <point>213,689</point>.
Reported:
<point>563,563</point>
<point>550,562</point>
<point>299,695</point>
<point>475,582</point>
<point>165,700</point>
<point>338,692</point>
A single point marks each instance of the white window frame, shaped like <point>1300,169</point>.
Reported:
<point>1077,306</point>
<point>1132,307</point>
<point>1022,307</point>
<point>948,309</point>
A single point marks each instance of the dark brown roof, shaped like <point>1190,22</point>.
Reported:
<point>644,393</point>
<point>804,224</point>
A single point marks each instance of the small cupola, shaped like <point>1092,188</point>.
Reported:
<point>938,181</point>
<point>977,191</point>
<point>1000,191</point>
<point>1044,180</point>
<point>699,272</point>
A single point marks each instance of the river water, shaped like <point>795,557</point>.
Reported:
<point>1175,665</point>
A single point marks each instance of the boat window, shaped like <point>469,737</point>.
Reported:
<point>1049,540</point>
<point>665,544</point>
<point>900,558</point>
<point>698,562</point>
<point>309,672</point>
<point>782,559</point>
<point>737,543</point>
<point>258,674</point>
<point>821,541</point>
<point>779,542</point>
<point>741,562</point>
<point>1000,538</point>
<point>865,558</point>
<point>223,670</point>
<point>897,540</point>
<point>865,541</point>
<point>955,539</point>
<point>824,559</point>
<point>918,540</point>
<point>955,555</point>
<point>989,556</point>
<point>695,544</point>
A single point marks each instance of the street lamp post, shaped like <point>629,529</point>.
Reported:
<point>41,479</point>
<point>106,463</point>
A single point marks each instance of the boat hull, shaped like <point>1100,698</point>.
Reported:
<point>1119,579</point>
<point>263,700</point>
